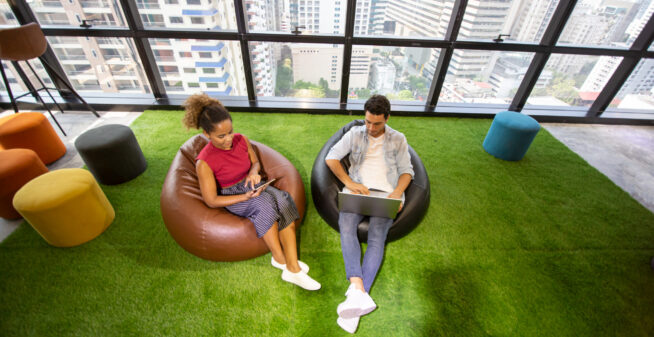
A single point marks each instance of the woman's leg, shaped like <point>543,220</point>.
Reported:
<point>286,226</point>
<point>289,243</point>
<point>271,238</point>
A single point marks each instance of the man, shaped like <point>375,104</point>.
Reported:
<point>380,165</point>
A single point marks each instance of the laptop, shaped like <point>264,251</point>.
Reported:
<point>368,205</point>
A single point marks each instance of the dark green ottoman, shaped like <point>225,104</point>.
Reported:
<point>510,135</point>
<point>111,153</point>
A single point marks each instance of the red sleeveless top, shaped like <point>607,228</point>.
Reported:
<point>228,166</point>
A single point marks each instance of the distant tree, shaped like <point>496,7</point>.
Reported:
<point>535,92</point>
<point>418,85</point>
<point>284,77</point>
<point>563,89</point>
<point>405,95</point>
<point>303,85</point>
<point>363,93</point>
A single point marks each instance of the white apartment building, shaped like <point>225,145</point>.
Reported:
<point>307,57</point>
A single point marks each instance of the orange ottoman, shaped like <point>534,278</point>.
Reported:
<point>17,167</point>
<point>31,130</point>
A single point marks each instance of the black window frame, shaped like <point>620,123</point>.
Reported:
<point>431,107</point>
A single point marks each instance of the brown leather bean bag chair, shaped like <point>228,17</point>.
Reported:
<point>215,233</point>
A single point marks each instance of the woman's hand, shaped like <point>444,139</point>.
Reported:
<point>252,179</point>
<point>253,194</point>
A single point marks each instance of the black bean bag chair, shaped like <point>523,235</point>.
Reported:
<point>325,187</point>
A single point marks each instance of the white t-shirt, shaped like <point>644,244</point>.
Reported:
<point>373,169</point>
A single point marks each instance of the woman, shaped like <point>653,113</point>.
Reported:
<point>229,161</point>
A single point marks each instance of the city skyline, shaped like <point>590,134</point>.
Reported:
<point>188,66</point>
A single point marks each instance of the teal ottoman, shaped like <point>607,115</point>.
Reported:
<point>510,135</point>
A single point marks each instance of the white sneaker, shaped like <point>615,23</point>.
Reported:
<point>357,303</point>
<point>348,324</point>
<point>301,279</point>
<point>303,266</point>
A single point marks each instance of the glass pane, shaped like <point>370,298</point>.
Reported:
<point>413,18</point>
<point>73,12</point>
<point>523,21</point>
<point>106,64</point>
<point>638,91</point>
<point>297,69</point>
<point>400,73</point>
<point>188,14</point>
<point>477,76</point>
<point>606,23</point>
<point>311,16</point>
<point>16,83</point>
<point>189,66</point>
<point>6,15</point>
<point>572,80</point>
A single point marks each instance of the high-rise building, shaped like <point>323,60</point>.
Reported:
<point>329,17</point>
<point>641,80</point>
<point>262,16</point>
<point>532,27</point>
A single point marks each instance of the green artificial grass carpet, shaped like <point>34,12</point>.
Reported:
<point>547,246</point>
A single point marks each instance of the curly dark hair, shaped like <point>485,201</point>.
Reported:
<point>202,111</point>
<point>377,105</point>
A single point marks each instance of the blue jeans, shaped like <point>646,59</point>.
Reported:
<point>348,223</point>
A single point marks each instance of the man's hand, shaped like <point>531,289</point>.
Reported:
<point>252,179</point>
<point>396,195</point>
<point>357,188</point>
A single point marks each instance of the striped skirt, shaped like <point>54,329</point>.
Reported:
<point>270,206</point>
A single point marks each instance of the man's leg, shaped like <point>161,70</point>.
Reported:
<point>358,302</point>
<point>374,255</point>
<point>347,224</point>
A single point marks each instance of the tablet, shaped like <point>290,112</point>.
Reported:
<point>266,184</point>
<point>368,205</point>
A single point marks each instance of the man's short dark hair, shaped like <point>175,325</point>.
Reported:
<point>377,105</point>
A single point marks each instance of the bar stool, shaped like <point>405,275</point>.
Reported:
<point>23,44</point>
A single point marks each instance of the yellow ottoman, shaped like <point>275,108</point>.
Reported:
<point>67,207</point>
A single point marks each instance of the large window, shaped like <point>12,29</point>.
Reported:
<point>205,15</point>
<point>411,18</point>
<point>638,91</point>
<point>400,73</point>
<point>508,54</point>
<point>188,66</point>
<point>516,20</point>
<point>573,80</point>
<point>297,70</point>
<point>606,23</point>
<point>106,64</point>
<point>481,77</point>
<point>74,12</point>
